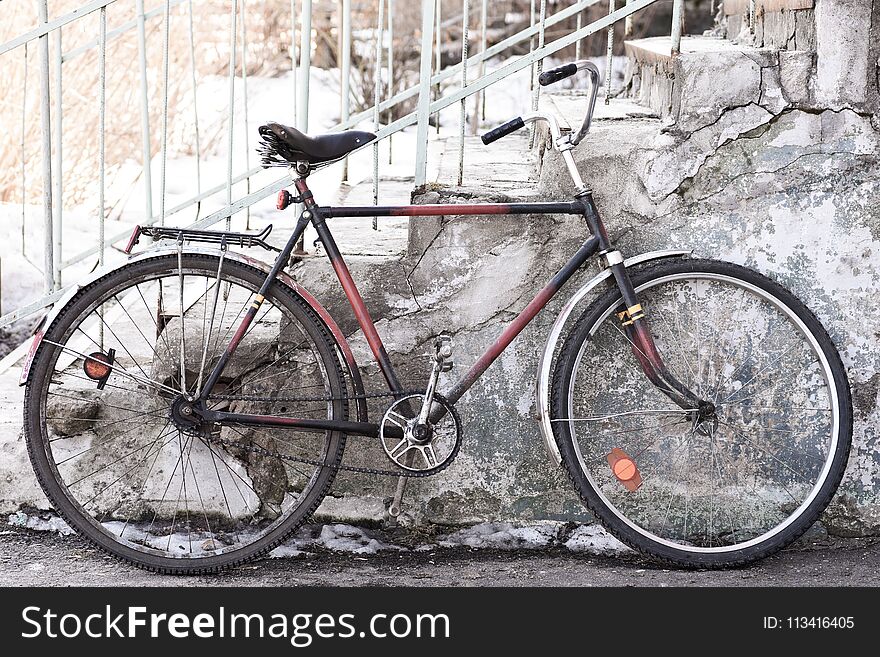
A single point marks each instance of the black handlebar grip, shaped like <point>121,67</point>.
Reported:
<point>503,130</point>
<point>557,74</point>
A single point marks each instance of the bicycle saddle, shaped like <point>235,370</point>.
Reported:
<point>283,145</point>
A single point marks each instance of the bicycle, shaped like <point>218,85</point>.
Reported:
<point>188,410</point>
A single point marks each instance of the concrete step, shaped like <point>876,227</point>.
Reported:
<point>779,24</point>
<point>504,168</point>
<point>712,75</point>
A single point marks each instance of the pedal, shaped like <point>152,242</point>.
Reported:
<point>443,351</point>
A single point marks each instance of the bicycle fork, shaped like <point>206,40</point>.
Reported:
<point>634,323</point>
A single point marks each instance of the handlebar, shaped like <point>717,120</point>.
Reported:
<point>547,78</point>
<point>503,130</point>
<point>557,74</point>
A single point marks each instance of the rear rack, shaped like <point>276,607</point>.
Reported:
<point>244,240</point>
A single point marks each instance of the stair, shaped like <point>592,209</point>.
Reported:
<point>712,75</point>
<point>779,24</point>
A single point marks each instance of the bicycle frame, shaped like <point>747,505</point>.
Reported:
<point>632,317</point>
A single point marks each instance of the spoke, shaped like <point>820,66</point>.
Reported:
<point>674,411</point>
<point>97,399</point>
<point>744,428</point>
<point>104,467</point>
<point>127,472</point>
<point>115,337</point>
<point>159,333</point>
<point>800,475</point>
<point>137,326</point>
<point>182,340</point>
<point>207,337</point>
<point>681,467</point>
<point>234,474</point>
<point>98,444</point>
<point>144,487</point>
<point>199,494</point>
<point>168,485</point>
<point>763,369</point>
<point>721,377</point>
<point>57,373</point>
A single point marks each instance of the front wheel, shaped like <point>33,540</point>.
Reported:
<point>697,489</point>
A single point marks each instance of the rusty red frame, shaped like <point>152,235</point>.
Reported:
<point>597,242</point>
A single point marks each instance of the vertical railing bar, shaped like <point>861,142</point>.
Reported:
<point>145,112</point>
<point>305,65</point>
<point>24,113</point>
<point>531,45</point>
<point>610,55</point>
<point>293,57</point>
<point>439,54</point>
<point>195,89</point>
<point>230,119</point>
<point>302,98</point>
<point>244,93</point>
<point>484,44</point>
<point>537,68</point>
<point>577,28</point>
<point>377,92</point>
<point>57,179</point>
<point>46,133</point>
<point>166,38</point>
<point>462,112</point>
<point>345,72</point>
<point>390,57</point>
<point>424,106</point>
<point>675,32</point>
<point>102,115</point>
<point>628,22</point>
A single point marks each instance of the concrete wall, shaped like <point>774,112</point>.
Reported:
<point>782,175</point>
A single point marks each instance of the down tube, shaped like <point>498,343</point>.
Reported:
<point>527,315</point>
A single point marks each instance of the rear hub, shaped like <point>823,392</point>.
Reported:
<point>186,417</point>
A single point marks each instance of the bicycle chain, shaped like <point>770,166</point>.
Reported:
<point>299,459</point>
<point>372,395</point>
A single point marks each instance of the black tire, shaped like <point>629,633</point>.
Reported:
<point>37,434</point>
<point>579,341</point>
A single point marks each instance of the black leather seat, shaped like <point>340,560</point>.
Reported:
<point>283,145</point>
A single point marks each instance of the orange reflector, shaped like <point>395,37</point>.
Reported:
<point>625,469</point>
<point>97,366</point>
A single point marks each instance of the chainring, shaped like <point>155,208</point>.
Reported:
<point>428,454</point>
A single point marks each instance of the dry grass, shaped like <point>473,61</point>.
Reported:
<point>268,38</point>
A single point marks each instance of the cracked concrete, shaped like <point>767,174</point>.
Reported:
<point>753,164</point>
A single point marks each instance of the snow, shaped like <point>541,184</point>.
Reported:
<point>336,538</point>
<point>41,523</point>
<point>503,536</point>
<point>349,539</point>
<point>595,540</point>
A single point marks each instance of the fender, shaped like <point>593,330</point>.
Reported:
<point>338,336</point>
<point>546,360</point>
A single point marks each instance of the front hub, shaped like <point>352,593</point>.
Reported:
<point>705,418</point>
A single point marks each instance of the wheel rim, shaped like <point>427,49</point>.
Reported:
<point>172,494</point>
<point>648,510</point>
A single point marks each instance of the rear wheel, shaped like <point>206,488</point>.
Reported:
<point>111,446</point>
<point>691,487</point>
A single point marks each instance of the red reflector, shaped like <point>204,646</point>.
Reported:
<point>625,469</point>
<point>97,366</point>
<point>283,199</point>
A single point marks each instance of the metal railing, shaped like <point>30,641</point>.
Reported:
<point>431,75</point>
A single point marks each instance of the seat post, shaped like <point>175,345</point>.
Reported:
<point>301,171</point>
